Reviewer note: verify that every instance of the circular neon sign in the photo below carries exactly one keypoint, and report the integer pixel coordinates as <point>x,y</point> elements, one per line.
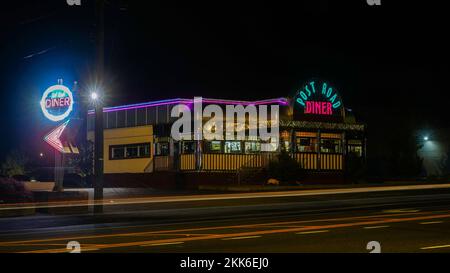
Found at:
<point>318,98</point>
<point>57,102</point>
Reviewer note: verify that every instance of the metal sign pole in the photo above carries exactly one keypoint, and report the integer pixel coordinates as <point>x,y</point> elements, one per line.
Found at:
<point>59,171</point>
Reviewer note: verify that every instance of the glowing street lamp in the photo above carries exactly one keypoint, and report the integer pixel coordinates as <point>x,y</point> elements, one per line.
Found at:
<point>94,96</point>
<point>425,138</point>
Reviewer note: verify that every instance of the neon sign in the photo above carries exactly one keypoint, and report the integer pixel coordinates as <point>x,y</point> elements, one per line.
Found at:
<point>57,102</point>
<point>318,100</point>
<point>52,138</point>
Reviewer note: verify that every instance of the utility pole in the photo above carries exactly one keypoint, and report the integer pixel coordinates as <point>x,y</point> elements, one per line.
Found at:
<point>98,148</point>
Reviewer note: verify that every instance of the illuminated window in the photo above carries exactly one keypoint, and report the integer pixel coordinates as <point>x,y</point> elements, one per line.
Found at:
<point>233,147</point>
<point>330,145</point>
<point>213,146</point>
<point>144,150</point>
<point>285,135</point>
<point>162,149</point>
<point>252,147</point>
<point>188,147</point>
<point>132,151</point>
<point>329,135</point>
<point>354,147</point>
<point>306,134</point>
<point>129,151</point>
<point>354,142</point>
<point>285,146</point>
<point>307,144</point>
<point>117,152</point>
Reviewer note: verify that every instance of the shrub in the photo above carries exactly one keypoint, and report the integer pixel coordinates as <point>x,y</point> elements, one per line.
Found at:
<point>285,169</point>
<point>12,191</point>
<point>16,163</point>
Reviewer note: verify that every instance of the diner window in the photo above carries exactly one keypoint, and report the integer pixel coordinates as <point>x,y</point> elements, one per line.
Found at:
<point>129,151</point>
<point>330,135</point>
<point>252,147</point>
<point>188,147</point>
<point>214,146</point>
<point>233,147</point>
<point>285,146</point>
<point>306,145</point>
<point>271,145</point>
<point>285,135</point>
<point>355,150</point>
<point>162,149</point>
<point>354,147</point>
<point>144,150</point>
<point>118,152</point>
<point>132,151</point>
<point>330,145</point>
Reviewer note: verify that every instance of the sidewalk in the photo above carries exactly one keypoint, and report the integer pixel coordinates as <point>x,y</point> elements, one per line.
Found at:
<point>272,188</point>
<point>113,193</point>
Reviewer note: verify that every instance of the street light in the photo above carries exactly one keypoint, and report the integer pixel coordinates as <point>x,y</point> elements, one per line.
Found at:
<point>94,96</point>
<point>425,138</point>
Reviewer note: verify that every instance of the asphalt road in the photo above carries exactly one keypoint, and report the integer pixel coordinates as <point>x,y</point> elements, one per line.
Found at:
<point>400,221</point>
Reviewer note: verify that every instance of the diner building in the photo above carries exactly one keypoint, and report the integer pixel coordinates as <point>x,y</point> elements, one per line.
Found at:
<point>314,128</point>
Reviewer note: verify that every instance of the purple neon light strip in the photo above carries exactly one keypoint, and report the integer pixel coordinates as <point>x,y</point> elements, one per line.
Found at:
<point>259,102</point>
<point>144,105</point>
<point>281,101</point>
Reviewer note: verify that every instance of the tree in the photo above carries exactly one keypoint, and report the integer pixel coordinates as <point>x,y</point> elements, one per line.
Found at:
<point>82,163</point>
<point>15,164</point>
<point>403,145</point>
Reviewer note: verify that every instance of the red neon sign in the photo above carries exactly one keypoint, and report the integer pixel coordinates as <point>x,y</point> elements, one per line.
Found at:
<point>52,138</point>
<point>319,108</point>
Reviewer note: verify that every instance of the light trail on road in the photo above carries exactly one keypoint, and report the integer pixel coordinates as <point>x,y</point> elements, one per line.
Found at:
<point>266,230</point>
<point>211,197</point>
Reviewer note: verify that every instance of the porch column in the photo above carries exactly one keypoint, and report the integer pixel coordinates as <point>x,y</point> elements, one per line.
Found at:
<point>198,155</point>
<point>344,149</point>
<point>319,160</point>
<point>292,144</point>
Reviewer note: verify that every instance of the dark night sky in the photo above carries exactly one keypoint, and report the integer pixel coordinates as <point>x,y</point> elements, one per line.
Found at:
<point>386,61</point>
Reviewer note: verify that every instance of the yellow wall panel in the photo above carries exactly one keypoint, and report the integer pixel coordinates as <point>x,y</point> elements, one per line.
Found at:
<point>122,136</point>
